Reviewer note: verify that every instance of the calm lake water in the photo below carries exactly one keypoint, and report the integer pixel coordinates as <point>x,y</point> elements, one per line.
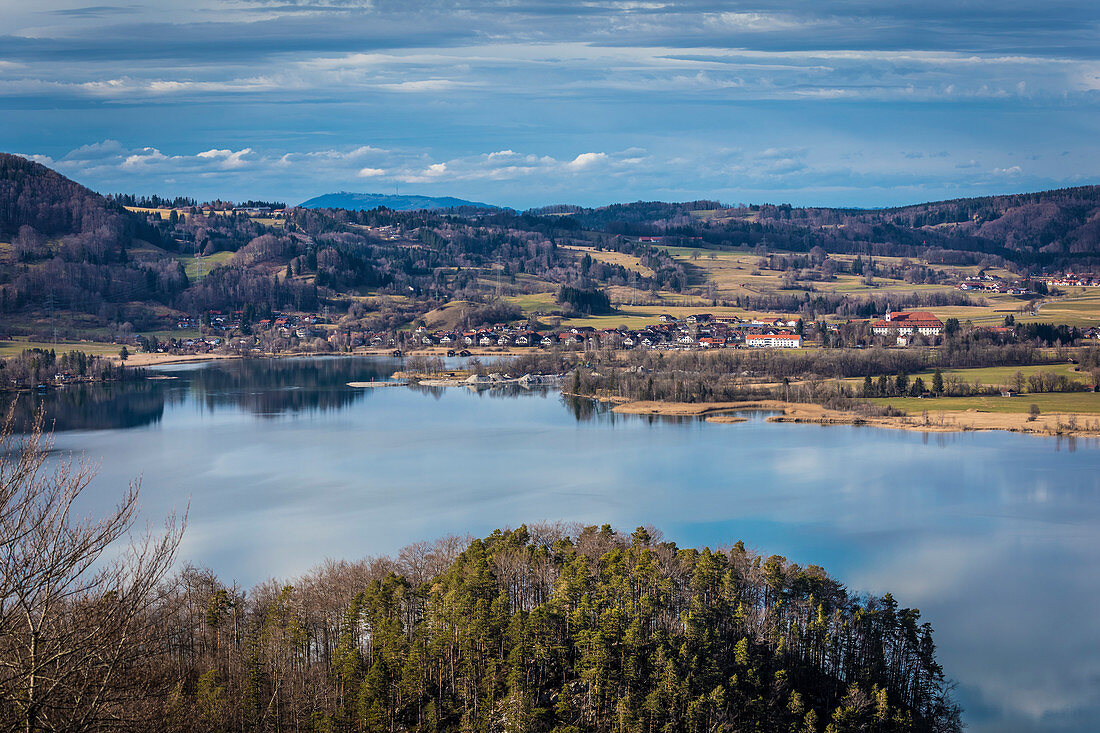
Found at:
<point>994,536</point>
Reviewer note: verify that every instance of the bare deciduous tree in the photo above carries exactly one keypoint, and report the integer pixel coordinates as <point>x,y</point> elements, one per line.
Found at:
<point>78,613</point>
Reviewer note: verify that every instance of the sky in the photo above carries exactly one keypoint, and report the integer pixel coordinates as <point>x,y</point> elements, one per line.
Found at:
<point>526,103</point>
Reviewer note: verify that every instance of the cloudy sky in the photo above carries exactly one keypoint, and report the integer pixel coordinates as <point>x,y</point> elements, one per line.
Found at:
<point>531,102</point>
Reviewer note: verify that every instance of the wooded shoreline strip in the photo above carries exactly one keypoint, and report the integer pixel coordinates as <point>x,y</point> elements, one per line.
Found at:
<point>937,421</point>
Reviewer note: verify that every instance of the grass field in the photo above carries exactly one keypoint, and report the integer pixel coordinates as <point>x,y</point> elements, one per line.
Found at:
<point>635,316</point>
<point>1079,307</point>
<point>14,348</point>
<point>997,376</point>
<point>270,221</point>
<point>535,302</point>
<point>1002,376</point>
<point>1078,402</point>
<point>196,270</point>
<point>731,273</point>
<point>162,213</point>
<point>611,258</point>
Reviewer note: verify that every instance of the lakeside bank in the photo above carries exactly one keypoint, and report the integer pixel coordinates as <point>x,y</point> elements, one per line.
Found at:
<point>930,421</point>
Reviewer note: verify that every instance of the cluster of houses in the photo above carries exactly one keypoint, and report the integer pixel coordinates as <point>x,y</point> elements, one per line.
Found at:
<point>287,325</point>
<point>303,327</point>
<point>1072,280</point>
<point>994,284</point>
<point>701,330</point>
<point>991,284</point>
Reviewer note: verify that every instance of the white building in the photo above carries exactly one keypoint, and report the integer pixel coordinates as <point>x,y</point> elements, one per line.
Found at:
<point>774,341</point>
<point>907,324</point>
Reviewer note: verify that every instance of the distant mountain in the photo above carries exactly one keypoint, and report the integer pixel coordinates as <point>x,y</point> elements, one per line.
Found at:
<point>395,202</point>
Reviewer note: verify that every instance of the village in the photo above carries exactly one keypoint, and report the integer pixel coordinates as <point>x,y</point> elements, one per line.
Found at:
<point>316,333</point>
<point>287,332</point>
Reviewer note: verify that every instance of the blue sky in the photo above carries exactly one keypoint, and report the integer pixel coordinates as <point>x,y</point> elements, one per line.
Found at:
<point>531,102</point>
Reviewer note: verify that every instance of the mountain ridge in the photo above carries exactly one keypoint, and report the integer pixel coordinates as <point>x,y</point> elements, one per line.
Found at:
<point>352,201</point>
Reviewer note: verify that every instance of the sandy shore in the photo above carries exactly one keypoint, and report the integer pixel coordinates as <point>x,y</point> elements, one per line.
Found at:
<point>141,359</point>
<point>936,421</point>
<point>144,360</point>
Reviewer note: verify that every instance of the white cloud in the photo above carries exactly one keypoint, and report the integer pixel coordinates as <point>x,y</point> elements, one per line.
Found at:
<point>753,21</point>
<point>227,158</point>
<point>587,160</point>
<point>145,156</point>
<point>371,172</point>
<point>422,85</point>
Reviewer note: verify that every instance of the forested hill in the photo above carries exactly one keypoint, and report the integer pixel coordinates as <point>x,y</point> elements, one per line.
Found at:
<point>396,202</point>
<point>1059,228</point>
<point>34,197</point>
<point>542,629</point>
<point>69,248</point>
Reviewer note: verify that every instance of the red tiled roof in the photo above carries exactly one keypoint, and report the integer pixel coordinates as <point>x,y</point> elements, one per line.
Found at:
<point>914,319</point>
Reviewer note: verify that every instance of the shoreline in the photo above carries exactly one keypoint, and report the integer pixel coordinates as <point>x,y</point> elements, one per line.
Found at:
<point>141,359</point>
<point>940,421</point>
<point>1049,424</point>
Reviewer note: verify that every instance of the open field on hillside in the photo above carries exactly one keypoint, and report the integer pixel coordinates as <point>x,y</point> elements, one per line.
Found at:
<point>635,316</point>
<point>643,315</point>
<point>162,213</point>
<point>197,270</point>
<point>271,221</point>
<point>732,274</point>
<point>493,282</point>
<point>535,302</point>
<point>611,258</point>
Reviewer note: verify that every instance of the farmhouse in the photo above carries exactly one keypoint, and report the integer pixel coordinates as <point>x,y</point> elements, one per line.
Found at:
<point>908,323</point>
<point>774,340</point>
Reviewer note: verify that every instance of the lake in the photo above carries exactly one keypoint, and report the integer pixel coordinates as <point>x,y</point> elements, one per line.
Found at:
<point>993,536</point>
